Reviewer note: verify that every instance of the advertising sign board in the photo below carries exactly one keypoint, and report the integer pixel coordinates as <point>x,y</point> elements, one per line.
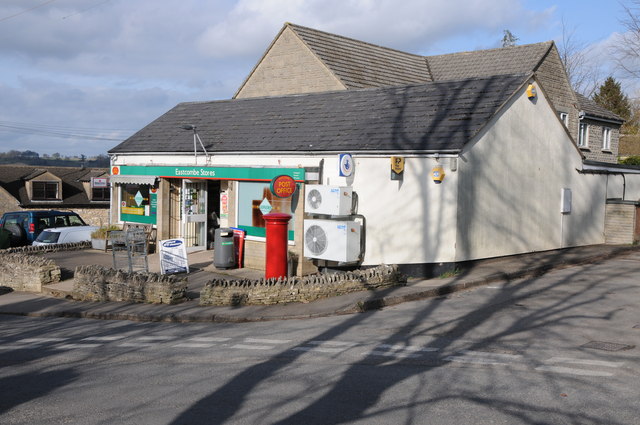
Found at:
<point>173,256</point>
<point>283,186</point>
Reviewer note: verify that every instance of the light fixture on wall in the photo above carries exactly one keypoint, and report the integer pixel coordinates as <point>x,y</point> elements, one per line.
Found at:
<point>531,91</point>
<point>196,137</point>
<point>437,174</point>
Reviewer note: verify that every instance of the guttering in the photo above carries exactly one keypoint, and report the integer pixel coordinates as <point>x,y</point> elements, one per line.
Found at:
<point>451,153</point>
<point>583,114</point>
<point>603,168</point>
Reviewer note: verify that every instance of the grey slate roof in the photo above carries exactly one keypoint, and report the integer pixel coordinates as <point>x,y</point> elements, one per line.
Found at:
<point>593,110</point>
<point>359,65</point>
<point>13,177</point>
<point>438,116</point>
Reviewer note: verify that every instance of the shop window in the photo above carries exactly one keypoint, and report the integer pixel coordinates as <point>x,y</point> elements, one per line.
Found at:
<point>138,203</point>
<point>256,199</point>
<point>45,191</point>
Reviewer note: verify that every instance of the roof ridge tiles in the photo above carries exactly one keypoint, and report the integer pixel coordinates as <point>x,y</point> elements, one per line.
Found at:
<point>313,30</point>
<point>495,49</point>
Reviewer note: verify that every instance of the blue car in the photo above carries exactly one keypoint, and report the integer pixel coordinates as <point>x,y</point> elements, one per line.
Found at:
<point>25,226</point>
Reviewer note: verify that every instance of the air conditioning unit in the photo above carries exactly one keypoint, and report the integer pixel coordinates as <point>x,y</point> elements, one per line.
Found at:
<point>328,200</point>
<point>333,240</point>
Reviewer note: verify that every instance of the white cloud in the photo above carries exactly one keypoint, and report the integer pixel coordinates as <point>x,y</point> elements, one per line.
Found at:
<point>413,25</point>
<point>121,63</point>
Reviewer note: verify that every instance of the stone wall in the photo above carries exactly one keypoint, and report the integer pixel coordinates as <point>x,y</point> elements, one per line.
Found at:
<point>7,202</point>
<point>36,249</point>
<point>97,283</point>
<point>593,150</point>
<point>297,289</point>
<point>94,216</point>
<point>555,83</point>
<point>289,67</point>
<point>23,272</point>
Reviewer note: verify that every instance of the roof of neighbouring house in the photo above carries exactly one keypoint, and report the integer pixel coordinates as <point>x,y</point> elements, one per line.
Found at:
<point>360,64</point>
<point>13,178</point>
<point>480,63</point>
<point>593,110</point>
<point>431,117</point>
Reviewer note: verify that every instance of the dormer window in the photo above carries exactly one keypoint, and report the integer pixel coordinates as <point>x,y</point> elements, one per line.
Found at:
<point>45,191</point>
<point>100,194</point>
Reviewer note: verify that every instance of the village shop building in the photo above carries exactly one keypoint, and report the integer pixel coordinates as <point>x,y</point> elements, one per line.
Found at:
<point>503,127</point>
<point>512,173</point>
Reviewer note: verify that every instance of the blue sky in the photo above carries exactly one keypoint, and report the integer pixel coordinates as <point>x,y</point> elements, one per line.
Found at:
<point>79,76</point>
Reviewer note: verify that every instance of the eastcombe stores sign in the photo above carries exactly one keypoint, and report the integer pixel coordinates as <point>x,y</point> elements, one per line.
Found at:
<point>218,173</point>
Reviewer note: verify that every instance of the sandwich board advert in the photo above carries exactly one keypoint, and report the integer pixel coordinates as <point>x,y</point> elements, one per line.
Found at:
<point>173,256</point>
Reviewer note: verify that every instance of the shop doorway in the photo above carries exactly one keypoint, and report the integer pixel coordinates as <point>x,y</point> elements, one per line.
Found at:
<point>213,210</point>
<point>194,214</point>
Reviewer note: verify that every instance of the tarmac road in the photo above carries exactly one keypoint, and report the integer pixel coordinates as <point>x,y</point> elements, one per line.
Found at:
<point>560,348</point>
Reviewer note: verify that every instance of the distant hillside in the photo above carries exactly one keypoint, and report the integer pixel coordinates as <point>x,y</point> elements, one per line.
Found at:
<point>55,160</point>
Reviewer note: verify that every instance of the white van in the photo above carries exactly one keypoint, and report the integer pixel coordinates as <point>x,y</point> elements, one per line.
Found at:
<point>58,235</point>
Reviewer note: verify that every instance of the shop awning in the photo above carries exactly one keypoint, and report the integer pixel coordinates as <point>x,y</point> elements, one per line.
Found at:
<point>150,180</point>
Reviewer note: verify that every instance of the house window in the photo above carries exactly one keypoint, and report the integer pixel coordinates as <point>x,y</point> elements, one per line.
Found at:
<point>45,191</point>
<point>256,199</point>
<point>606,139</point>
<point>564,117</point>
<point>583,135</point>
<point>100,194</point>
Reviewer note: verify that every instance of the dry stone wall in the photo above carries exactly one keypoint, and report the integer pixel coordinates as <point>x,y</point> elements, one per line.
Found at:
<point>297,289</point>
<point>27,273</point>
<point>97,283</point>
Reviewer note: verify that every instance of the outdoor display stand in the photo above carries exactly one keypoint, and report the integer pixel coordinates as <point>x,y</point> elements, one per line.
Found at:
<point>129,250</point>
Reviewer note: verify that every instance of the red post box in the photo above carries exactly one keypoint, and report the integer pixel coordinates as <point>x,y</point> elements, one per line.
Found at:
<point>277,244</point>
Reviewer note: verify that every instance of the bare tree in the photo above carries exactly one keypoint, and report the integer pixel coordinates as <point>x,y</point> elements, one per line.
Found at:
<point>583,74</point>
<point>627,50</point>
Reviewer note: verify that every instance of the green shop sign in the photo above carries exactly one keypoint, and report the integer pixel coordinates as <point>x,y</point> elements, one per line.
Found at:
<point>218,173</point>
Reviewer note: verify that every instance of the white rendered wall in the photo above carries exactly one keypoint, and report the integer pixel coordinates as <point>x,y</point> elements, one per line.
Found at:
<point>411,221</point>
<point>511,181</point>
<point>408,222</point>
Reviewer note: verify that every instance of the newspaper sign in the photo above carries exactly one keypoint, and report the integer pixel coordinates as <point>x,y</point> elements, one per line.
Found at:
<point>173,256</point>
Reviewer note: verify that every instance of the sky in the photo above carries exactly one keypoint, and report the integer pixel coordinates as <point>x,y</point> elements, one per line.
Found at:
<point>77,77</point>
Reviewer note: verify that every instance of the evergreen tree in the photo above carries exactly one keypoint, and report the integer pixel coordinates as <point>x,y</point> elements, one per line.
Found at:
<point>611,97</point>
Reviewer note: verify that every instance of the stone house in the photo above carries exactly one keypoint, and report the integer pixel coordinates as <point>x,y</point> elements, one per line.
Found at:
<point>303,60</point>
<point>57,188</point>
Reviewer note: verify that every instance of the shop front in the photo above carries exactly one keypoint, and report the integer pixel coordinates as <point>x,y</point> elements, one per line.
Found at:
<point>191,202</point>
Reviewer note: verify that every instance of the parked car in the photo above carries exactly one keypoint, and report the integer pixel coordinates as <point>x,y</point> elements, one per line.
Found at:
<point>25,226</point>
<point>58,235</point>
